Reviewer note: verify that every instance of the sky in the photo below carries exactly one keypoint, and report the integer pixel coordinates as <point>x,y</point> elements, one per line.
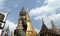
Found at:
<point>38,9</point>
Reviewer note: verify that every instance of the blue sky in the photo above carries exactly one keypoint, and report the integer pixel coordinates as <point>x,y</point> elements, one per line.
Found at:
<point>15,5</point>
<point>48,9</point>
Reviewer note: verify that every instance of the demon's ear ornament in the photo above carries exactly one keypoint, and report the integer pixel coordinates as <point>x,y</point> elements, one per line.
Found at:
<point>2,16</point>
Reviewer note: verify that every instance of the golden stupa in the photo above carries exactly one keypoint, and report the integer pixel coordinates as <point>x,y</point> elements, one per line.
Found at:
<point>30,31</point>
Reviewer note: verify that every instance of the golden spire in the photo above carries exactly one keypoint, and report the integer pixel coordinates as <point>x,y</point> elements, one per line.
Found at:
<point>12,33</point>
<point>27,15</point>
<point>29,30</point>
<point>29,23</point>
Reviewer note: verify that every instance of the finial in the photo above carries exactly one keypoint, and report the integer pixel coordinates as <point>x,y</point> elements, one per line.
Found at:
<point>53,25</point>
<point>27,15</point>
<point>22,8</point>
<point>22,12</point>
<point>27,9</point>
<point>42,21</point>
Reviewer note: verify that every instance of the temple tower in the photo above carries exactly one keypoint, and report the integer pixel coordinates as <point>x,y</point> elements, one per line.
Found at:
<point>12,33</point>
<point>44,27</point>
<point>21,27</point>
<point>54,28</point>
<point>29,31</point>
<point>6,32</point>
<point>53,25</point>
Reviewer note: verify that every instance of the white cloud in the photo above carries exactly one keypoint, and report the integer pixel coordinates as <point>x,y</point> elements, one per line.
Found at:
<point>47,9</point>
<point>48,12</point>
<point>47,19</point>
<point>38,30</point>
<point>11,25</point>
<point>8,10</point>
<point>2,4</point>
<point>16,4</point>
